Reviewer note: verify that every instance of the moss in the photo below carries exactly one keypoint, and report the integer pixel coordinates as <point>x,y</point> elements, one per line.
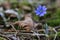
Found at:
<point>58,33</point>
<point>55,19</point>
<point>54,22</point>
<point>1,38</point>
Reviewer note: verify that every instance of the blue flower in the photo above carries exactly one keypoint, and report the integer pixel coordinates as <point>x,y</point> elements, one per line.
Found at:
<point>41,10</point>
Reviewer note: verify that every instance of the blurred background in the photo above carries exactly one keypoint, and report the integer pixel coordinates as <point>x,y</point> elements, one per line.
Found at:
<point>52,18</point>
<point>53,11</point>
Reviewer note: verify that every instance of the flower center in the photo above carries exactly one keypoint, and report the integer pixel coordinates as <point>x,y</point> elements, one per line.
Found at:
<point>41,10</point>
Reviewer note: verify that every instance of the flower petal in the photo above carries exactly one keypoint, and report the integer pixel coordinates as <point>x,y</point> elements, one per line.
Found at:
<point>40,7</point>
<point>44,12</point>
<point>44,8</point>
<point>41,15</point>
<point>37,13</point>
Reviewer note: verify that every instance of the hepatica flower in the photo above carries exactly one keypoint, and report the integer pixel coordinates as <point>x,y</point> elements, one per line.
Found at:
<point>41,10</point>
